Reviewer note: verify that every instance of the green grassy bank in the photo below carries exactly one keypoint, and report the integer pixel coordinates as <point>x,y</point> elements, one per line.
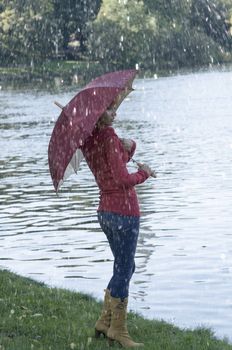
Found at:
<point>53,74</point>
<point>58,73</point>
<point>34,316</point>
<point>50,73</point>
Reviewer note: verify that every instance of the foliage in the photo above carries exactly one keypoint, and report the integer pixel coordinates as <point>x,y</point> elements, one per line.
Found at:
<point>161,34</point>
<point>156,35</point>
<point>170,9</point>
<point>34,30</point>
<point>123,34</point>
<point>26,30</point>
<point>179,49</point>
<point>213,18</point>
<point>72,18</point>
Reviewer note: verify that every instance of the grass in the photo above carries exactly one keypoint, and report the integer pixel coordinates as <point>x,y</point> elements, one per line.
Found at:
<point>34,316</point>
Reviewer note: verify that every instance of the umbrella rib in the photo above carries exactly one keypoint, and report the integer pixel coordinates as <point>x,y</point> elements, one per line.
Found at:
<point>59,105</point>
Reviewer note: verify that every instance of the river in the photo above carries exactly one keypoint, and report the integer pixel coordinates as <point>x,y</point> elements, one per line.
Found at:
<point>183,129</point>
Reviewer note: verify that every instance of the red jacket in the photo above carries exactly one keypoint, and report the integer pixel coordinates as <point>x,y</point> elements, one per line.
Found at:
<point>107,160</point>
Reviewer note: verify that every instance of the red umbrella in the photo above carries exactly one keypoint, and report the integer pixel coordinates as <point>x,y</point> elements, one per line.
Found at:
<point>78,118</point>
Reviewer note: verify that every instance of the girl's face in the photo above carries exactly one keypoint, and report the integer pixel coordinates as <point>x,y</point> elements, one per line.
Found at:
<point>108,117</point>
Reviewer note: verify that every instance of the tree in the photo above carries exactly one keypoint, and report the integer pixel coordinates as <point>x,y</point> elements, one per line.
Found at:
<point>26,30</point>
<point>192,32</point>
<point>156,34</point>
<point>122,35</point>
<point>72,18</point>
<point>38,29</point>
<point>213,18</point>
<point>170,9</point>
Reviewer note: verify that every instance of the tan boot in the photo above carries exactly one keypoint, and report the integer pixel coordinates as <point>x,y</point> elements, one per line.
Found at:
<point>103,323</point>
<point>118,328</point>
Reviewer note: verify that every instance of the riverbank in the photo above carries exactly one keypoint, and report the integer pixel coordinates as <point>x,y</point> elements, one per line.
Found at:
<point>34,316</point>
<point>57,74</point>
<point>52,73</point>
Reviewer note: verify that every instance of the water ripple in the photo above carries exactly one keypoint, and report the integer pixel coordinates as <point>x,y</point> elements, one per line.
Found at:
<point>182,126</point>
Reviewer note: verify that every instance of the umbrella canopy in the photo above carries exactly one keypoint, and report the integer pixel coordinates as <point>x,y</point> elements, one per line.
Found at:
<point>78,119</point>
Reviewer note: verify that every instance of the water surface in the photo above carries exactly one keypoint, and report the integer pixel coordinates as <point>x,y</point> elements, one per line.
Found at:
<point>183,129</point>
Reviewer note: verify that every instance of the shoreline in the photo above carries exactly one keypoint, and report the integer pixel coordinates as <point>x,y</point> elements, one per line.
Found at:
<point>36,316</point>
<point>63,74</point>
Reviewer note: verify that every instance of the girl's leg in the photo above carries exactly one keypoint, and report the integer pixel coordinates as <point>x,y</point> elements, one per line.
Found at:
<point>122,234</point>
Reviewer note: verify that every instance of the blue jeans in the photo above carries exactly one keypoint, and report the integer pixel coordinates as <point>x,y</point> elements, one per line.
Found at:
<point>122,234</point>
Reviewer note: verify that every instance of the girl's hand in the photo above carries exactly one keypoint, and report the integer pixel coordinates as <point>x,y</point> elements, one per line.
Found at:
<point>146,168</point>
<point>127,144</point>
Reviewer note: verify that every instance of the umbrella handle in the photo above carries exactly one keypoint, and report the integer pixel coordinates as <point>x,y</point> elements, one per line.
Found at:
<point>153,174</point>
<point>58,104</point>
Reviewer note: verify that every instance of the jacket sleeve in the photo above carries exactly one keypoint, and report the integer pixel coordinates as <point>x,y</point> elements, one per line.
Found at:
<point>118,168</point>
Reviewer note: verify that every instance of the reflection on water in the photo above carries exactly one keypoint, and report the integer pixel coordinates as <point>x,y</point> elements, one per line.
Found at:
<point>183,128</point>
